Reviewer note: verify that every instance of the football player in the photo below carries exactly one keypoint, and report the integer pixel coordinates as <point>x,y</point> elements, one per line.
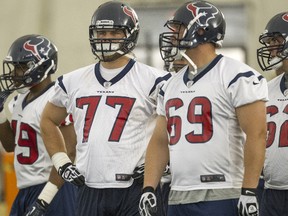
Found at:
<point>27,68</point>
<point>113,104</point>
<point>273,56</point>
<point>211,121</point>
<point>172,65</point>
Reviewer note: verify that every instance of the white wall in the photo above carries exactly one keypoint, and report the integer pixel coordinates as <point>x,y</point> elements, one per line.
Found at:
<point>66,23</point>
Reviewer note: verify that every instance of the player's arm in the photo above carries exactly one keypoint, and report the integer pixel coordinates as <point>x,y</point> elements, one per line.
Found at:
<point>156,159</point>
<point>252,119</point>
<point>157,154</point>
<point>54,141</point>
<point>7,136</point>
<point>55,180</point>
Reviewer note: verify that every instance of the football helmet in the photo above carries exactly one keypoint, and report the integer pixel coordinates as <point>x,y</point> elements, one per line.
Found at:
<point>275,41</point>
<point>34,56</point>
<point>185,25</point>
<point>113,16</point>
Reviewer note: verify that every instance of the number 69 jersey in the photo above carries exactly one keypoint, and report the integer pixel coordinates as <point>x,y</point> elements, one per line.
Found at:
<point>276,159</point>
<point>113,120</point>
<point>206,141</point>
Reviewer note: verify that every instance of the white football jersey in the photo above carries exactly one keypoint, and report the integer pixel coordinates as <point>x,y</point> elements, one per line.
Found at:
<point>31,160</point>
<point>206,141</point>
<point>276,160</point>
<point>113,119</point>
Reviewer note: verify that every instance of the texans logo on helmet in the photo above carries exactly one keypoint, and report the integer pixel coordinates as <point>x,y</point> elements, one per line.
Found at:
<point>130,13</point>
<point>34,44</point>
<point>285,17</point>
<point>197,8</point>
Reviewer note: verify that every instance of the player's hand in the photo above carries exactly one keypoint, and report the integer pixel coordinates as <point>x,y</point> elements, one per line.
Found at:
<point>3,97</point>
<point>138,173</point>
<point>37,209</point>
<point>70,173</point>
<point>248,204</point>
<point>148,202</point>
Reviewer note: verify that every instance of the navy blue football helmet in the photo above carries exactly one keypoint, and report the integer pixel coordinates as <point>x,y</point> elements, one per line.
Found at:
<point>185,25</point>
<point>35,55</point>
<point>113,15</point>
<point>277,30</point>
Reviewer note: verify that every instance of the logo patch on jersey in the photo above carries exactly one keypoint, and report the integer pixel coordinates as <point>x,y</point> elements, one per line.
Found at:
<point>212,178</point>
<point>36,46</point>
<point>196,10</point>
<point>285,17</point>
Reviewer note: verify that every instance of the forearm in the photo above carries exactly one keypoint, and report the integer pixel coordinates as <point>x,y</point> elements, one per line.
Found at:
<point>155,164</point>
<point>157,154</point>
<point>7,137</point>
<point>254,155</point>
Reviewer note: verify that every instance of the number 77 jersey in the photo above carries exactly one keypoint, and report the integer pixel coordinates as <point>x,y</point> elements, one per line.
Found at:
<point>206,141</point>
<point>113,119</point>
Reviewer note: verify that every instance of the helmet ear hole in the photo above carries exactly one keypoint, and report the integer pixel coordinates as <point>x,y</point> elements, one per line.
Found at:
<point>201,31</point>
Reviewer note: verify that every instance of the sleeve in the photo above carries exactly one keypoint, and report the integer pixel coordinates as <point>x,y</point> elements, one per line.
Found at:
<point>160,102</point>
<point>59,95</point>
<point>12,103</point>
<point>247,87</point>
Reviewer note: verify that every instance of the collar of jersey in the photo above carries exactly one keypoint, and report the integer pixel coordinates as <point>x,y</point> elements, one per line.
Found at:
<point>25,102</point>
<point>202,73</point>
<point>119,76</point>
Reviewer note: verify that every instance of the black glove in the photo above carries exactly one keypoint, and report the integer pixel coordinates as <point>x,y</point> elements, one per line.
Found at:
<point>71,174</point>
<point>37,209</point>
<point>148,202</point>
<point>248,204</point>
<point>138,173</point>
<point>3,97</point>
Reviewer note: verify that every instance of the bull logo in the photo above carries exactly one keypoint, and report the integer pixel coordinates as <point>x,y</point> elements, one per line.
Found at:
<point>285,17</point>
<point>130,13</point>
<point>37,47</point>
<point>208,11</point>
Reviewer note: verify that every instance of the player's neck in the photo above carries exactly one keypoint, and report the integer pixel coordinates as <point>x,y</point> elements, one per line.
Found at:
<point>36,90</point>
<point>202,54</point>
<point>118,63</point>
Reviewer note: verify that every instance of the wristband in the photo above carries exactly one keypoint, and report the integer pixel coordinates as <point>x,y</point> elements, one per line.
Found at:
<point>48,192</point>
<point>249,191</point>
<point>59,159</point>
<point>148,189</point>
<point>3,117</point>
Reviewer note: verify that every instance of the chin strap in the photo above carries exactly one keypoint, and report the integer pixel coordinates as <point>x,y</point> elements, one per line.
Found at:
<point>191,63</point>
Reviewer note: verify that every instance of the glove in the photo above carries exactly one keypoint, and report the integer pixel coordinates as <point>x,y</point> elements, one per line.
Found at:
<point>71,174</point>
<point>248,204</point>
<point>167,171</point>
<point>148,202</point>
<point>3,97</point>
<point>138,173</point>
<point>37,209</point>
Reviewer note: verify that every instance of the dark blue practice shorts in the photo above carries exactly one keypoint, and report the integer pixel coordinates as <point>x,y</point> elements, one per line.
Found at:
<point>274,203</point>
<point>210,208</point>
<point>63,204</point>
<point>165,190</point>
<point>112,201</point>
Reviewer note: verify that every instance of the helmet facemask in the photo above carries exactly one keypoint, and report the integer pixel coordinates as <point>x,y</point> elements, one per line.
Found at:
<point>270,56</point>
<point>110,49</point>
<point>28,74</point>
